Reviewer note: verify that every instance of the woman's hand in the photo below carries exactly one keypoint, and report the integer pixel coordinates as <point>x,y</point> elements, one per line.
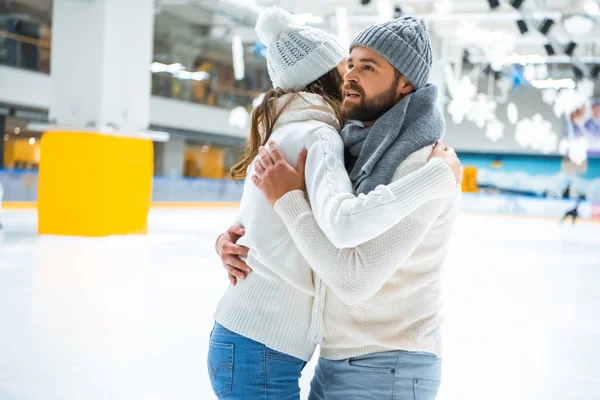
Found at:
<point>274,176</point>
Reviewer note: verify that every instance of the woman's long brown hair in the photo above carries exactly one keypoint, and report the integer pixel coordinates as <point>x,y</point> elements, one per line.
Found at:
<point>328,86</point>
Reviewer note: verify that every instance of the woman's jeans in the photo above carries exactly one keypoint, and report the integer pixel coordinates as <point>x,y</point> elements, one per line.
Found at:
<point>241,368</point>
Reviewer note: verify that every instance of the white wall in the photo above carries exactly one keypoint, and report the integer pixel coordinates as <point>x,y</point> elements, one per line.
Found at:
<point>194,117</point>
<point>468,137</point>
<point>24,88</point>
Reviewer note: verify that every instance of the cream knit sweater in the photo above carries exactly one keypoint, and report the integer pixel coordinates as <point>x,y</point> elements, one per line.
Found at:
<point>276,304</point>
<point>385,293</point>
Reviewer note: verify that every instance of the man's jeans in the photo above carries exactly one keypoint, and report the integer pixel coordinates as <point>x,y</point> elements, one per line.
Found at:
<point>241,368</point>
<point>392,375</point>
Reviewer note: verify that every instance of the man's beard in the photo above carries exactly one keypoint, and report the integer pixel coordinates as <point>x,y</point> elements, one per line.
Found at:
<point>369,109</point>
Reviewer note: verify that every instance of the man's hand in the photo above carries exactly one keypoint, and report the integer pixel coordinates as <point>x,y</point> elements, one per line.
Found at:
<point>274,176</point>
<point>448,155</point>
<point>230,254</point>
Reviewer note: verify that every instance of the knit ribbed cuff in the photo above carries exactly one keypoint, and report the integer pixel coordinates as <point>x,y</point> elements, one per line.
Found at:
<point>292,205</point>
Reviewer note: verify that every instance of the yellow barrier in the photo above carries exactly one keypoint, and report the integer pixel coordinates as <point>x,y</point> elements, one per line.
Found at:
<point>113,187</point>
<point>469,184</point>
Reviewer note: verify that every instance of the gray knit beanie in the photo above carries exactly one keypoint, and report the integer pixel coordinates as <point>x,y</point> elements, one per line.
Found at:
<point>405,43</point>
<point>296,55</point>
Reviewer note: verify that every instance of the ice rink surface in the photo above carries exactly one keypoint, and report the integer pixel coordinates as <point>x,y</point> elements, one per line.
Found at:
<point>128,318</point>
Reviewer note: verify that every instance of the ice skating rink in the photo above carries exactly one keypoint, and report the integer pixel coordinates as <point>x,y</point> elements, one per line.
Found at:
<point>128,318</point>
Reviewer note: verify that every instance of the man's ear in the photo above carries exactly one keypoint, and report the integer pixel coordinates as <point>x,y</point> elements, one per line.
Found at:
<point>404,86</point>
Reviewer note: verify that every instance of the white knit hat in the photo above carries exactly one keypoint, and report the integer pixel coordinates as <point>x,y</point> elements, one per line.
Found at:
<point>296,55</point>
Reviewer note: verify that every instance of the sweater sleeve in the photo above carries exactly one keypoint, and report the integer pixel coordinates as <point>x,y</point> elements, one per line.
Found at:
<point>355,274</point>
<point>348,220</point>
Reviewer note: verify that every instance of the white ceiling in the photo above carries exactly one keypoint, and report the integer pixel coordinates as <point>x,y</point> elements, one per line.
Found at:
<point>444,18</point>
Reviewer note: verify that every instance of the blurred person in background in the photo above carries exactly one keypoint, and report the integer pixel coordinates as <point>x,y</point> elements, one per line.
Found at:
<point>573,213</point>
<point>406,223</point>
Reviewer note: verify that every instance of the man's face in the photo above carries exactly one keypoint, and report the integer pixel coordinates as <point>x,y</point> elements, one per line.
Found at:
<point>596,111</point>
<point>371,86</point>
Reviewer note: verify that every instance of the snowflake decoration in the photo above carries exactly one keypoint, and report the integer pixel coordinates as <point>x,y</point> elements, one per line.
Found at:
<point>494,130</point>
<point>512,113</point>
<point>578,151</point>
<point>458,109</point>
<point>238,117</point>
<point>482,111</point>
<point>549,95</point>
<point>461,92</point>
<point>536,133</point>
<point>569,100</point>
<point>563,147</point>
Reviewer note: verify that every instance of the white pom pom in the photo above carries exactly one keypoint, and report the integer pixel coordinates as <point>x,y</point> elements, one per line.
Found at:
<point>271,22</point>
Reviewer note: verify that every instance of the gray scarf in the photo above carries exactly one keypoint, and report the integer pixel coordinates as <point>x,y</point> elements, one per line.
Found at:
<point>374,153</point>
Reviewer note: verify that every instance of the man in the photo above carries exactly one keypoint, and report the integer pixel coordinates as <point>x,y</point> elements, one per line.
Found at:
<point>382,312</point>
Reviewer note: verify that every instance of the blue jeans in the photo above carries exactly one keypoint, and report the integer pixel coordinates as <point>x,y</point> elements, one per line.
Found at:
<point>241,368</point>
<point>391,375</point>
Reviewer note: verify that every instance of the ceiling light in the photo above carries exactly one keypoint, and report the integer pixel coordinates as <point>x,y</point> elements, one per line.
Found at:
<point>17,130</point>
<point>32,141</point>
<point>526,59</point>
<point>494,4</point>
<point>6,137</point>
<point>554,84</point>
<point>237,49</point>
<point>549,49</point>
<point>546,25</point>
<point>570,48</point>
<point>522,26</point>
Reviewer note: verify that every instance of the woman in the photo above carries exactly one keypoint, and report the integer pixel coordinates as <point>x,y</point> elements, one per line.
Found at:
<point>267,326</point>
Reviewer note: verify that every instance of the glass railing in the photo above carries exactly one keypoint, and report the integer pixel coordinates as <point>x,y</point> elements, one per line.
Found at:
<point>17,50</point>
<point>30,53</point>
<point>202,92</point>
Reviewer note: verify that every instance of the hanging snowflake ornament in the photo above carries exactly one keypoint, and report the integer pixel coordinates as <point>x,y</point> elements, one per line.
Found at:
<point>578,151</point>
<point>494,130</point>
<point>569,100</point>
<point>512,113</point>
<point>536,133</point>
<point>482,111</point>
<point>462,92</point>
<point>238,117</point>
<point>549,95</point>
<point>458,109</point>
<point>563,147</point>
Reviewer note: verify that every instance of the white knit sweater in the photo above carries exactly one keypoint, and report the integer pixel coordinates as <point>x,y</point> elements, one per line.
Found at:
<point>274,305</point>
<point>386,292</point>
